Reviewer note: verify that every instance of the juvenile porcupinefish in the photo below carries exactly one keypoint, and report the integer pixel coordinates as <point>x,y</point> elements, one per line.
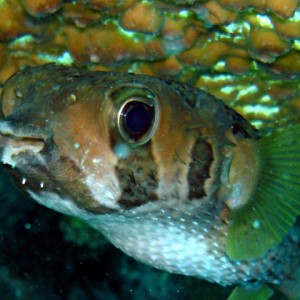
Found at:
<point>168,173</point>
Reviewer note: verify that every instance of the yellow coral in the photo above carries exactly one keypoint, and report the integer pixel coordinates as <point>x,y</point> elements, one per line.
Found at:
<point>213,44</point>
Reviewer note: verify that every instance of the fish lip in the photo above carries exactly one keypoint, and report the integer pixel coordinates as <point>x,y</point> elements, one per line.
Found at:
<point>13,129</point>
<point>22,145</point>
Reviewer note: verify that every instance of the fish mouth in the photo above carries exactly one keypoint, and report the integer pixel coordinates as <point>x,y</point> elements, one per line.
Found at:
<point>21,145</point>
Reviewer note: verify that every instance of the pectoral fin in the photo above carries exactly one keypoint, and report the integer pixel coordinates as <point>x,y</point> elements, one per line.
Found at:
<point>240,293</point>
<point>274,203</point>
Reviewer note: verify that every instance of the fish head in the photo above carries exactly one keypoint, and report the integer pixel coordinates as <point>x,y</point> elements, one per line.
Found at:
<point>50,138</point>
<point>105,141</point>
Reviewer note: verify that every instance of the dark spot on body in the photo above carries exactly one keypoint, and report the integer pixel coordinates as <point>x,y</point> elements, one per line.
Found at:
<point>137,177</point>
<point>202,158</point>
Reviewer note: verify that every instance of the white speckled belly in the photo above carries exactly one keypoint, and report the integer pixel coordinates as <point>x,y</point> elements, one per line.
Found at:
<point>165,246</point>
<point>172,243</point>
<point>172,237</point>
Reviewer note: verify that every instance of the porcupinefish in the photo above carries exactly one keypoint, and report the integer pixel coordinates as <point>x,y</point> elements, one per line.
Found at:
<point>168,173</point>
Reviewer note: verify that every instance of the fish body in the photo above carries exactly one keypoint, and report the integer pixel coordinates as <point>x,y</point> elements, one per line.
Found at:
<point>168,173</point>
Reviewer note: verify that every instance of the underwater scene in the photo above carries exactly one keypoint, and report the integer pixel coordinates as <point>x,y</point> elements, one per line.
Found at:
<point>151,75</point>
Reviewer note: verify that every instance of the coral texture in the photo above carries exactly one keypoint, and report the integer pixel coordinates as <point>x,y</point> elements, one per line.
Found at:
<point>246,52</point>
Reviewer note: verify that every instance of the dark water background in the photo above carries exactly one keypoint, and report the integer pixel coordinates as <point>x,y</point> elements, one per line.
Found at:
<point>45,255</point>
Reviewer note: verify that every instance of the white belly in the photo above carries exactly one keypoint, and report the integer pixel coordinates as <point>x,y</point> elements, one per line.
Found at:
<point>174,242</point>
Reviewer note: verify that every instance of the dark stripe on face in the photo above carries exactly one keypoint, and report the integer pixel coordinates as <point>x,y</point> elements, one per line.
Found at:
<point>201,160</point>
<point>137,175</point>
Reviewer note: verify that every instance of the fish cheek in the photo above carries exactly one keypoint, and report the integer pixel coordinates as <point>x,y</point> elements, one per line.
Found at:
<point>171,147</point>
<point>78,174</point>
<point>60,177</point>
<point>85,156</point>
<point>66,179</point>
<point>34,178</point>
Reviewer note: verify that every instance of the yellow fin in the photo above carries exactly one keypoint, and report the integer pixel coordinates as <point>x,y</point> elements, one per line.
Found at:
<point>274,205</point>
<point>262,293</point>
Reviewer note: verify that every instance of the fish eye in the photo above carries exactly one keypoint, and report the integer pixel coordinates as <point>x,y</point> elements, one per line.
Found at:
<point>137,114</point>
<point>136,120</point>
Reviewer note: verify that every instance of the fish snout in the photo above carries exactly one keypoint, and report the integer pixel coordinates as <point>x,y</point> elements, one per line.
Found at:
<point>23,144</point>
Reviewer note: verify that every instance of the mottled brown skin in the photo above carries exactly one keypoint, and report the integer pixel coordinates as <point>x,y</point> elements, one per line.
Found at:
<point>179,133</point>
<point>180,177</point>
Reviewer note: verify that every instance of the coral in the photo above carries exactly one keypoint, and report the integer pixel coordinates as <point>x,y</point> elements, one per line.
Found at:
<point>41,8</point>
<point>142,17</point>
<point>215,44</point>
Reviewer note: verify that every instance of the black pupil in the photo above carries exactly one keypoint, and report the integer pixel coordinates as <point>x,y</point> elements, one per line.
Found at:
<point>137,118</point>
